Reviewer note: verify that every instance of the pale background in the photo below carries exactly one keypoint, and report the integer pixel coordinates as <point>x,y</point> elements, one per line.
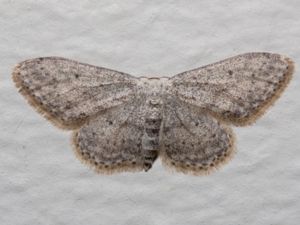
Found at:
<point>41,180</point>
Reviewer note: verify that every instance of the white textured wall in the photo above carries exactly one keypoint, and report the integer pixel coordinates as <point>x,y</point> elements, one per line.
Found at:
<point>42,182</point>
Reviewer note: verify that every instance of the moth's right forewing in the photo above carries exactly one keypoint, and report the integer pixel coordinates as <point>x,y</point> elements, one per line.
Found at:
<point>237,90</point>
<point>68,92</point>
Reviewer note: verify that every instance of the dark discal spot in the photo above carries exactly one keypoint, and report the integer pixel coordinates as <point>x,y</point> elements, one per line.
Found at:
<point>138,145</point>
<point>230,72</point>
<point>68,106</point>
<point>82,115</point>
<point>270,67</point>
<point>105,166</point>
<point>76,75</point>
<point>133,163</point>
<point>173,163</point>
<point>196,123</point>
<point>110,122</point>
<point>183,142</point>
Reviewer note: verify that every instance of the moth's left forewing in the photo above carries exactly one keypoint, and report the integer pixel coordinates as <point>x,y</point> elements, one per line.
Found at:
<point>237,90</point>
<point>67,92</point>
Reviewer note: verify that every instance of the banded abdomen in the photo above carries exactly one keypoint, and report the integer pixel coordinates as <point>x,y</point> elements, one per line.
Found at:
<point>151,137</point>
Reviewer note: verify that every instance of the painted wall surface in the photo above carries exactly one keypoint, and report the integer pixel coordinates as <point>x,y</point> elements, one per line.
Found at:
<point>41,180</point>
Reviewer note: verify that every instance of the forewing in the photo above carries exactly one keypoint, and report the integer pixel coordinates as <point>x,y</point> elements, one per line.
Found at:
<point>238,89</point>
<point>68,92</point>
<point>111,142</point>
<point>193,141</point>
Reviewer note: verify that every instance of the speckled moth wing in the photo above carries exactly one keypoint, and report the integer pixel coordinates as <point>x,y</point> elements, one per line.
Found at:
<point>68,92</point>
<point>194,141</point>
<point>238,89</point>
<point>112,141</point>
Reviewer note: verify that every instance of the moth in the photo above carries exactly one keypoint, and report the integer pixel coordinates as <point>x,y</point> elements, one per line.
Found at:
<point>124,123</point>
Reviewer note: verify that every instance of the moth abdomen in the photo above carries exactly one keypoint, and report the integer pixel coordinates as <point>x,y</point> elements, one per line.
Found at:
<point>151,138</point>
